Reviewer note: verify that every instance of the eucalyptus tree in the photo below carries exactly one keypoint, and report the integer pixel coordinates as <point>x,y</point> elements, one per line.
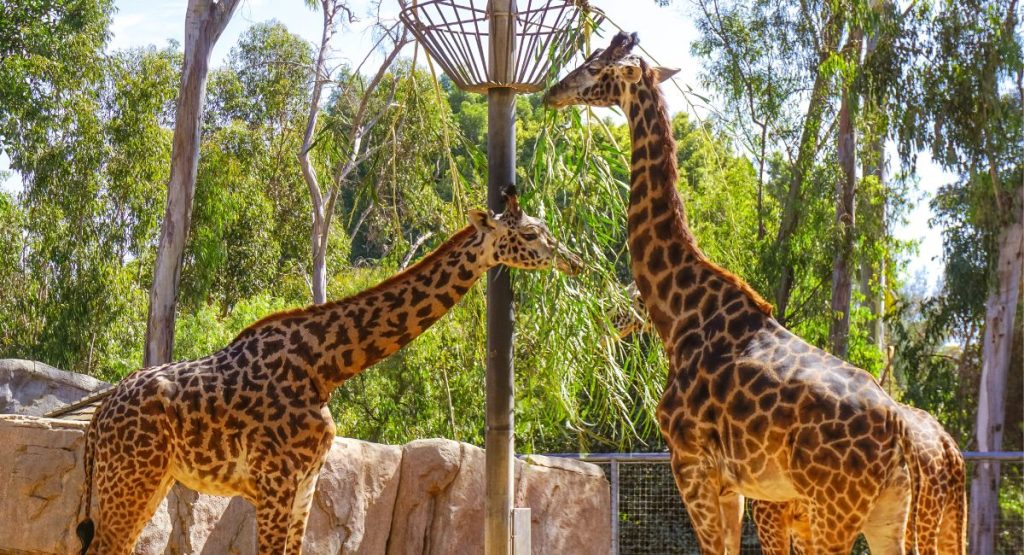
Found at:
<point>250,207</point>
<point>776,88</point>
<point>965,103</point>
<point>348,137</point>
<point>204,22</point>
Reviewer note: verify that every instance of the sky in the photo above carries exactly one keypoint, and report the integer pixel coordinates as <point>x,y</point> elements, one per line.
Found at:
<point>665,35</point>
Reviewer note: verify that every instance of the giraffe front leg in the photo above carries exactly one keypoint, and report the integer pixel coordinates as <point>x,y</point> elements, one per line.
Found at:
<point>300,511</point>
<point>830,535</point>
<point>773,531</point>
<point>274,513</point>
<point>700,490</point>
<point>732,519</point>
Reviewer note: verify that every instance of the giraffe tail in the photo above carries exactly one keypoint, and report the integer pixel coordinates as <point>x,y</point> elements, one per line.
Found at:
<point>959,472</point>
<point>914,466</point>
<point>87,529</point>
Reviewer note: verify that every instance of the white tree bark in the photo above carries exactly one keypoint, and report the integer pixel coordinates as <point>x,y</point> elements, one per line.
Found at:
<point>1000,311</point>
<point>204,22</point>
<point>323,202</point>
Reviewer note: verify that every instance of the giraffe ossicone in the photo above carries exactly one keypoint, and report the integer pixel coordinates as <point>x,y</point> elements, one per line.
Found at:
<point>749,409</point>
<point>252,418</point>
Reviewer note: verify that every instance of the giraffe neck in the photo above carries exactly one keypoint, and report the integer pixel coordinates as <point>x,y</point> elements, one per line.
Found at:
<point>337,340</point>
<point>676,280</point>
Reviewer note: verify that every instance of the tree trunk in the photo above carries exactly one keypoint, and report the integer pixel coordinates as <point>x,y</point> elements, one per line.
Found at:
<point>204,22</point>
<point>791,209</point>
<point>874,159</point>
<point>846,216</point>
<point>807,150</point>
<point>318,233</point>
<point>1000,311</point>
<point>323,202</point>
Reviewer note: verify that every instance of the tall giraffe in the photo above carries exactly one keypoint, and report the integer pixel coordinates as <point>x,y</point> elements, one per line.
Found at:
<point>749,408</point>
<point>941,504</point>
<point>252,418</point>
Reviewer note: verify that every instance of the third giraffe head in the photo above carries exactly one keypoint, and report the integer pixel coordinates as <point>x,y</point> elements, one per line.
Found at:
<point>521,241</point>
<point>607,76</point>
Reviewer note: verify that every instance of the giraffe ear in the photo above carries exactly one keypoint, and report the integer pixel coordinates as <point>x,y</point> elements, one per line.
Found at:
<point>663,73</point>
<point>482,221</point>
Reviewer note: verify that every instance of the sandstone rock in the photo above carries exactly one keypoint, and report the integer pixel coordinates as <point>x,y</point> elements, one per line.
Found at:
<point>570,505</point>
<point>40,485</point>
<point>429,467</point>
<point>34,388</point>
<point>355,498</point>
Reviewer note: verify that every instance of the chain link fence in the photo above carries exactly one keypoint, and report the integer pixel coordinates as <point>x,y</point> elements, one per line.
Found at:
<point>651,520</point>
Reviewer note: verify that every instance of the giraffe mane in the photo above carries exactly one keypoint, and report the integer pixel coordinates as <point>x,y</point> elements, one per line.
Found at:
<point>449,245</point>
<point>671,173</point>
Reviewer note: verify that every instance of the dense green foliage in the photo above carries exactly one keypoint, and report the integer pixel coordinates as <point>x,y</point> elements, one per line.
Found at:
<point>88,134</point>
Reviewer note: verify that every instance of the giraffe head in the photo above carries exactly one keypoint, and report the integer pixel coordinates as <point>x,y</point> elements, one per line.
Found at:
<point>605,77</point>
<point>518,240</point>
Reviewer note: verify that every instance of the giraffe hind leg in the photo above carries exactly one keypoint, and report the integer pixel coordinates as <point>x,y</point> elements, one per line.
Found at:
<point>128,496</point>
<point>886,524</point>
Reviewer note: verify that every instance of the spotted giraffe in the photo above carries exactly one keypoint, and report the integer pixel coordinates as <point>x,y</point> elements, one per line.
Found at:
<point>749,408</point>
<point>941,505</point>
<point>252,418</point>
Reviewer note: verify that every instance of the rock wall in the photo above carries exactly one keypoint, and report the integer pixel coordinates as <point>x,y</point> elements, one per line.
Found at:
<point>29,387</point>
<point>426,497</point>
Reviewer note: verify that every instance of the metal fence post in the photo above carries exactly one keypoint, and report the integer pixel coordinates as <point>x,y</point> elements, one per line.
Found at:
<point>614,471</point>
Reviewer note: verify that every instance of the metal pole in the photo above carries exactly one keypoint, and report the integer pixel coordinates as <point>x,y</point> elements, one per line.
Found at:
<point>501,172</point>
<point>615,506</point>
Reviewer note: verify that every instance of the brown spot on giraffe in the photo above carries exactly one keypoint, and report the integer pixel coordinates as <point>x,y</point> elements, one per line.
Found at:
<point>719,328</point>
<point>252,418</point>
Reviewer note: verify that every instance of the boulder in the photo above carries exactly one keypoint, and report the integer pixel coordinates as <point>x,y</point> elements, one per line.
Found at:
<point>355,499</point>
<point>40,485</point>
<point>34,388</point>
<point>570,505</point>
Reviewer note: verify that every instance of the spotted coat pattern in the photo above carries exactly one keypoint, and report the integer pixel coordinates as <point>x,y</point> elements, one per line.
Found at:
<point>252,418</point>
<point>941,506</point>
<point>749,408</point>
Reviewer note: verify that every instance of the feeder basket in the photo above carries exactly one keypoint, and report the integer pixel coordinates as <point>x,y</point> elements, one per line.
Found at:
<point>545,34</point>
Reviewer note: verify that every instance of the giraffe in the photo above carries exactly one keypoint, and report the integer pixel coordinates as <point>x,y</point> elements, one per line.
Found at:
<point>634,318</point>
<point>942,501</point>
<point>749,409</point>
<point>941,506</point>
<point>252,418</point>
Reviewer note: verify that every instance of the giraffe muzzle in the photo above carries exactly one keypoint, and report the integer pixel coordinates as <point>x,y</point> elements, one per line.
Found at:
<point>567,262</point>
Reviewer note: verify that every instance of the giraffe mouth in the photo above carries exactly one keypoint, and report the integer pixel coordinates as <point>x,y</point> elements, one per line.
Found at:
<point>551,99</point>
<point>568,263</point>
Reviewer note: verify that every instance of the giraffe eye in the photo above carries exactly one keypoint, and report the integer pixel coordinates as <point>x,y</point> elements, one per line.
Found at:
<point>592,70</point>
<point>530,235</point>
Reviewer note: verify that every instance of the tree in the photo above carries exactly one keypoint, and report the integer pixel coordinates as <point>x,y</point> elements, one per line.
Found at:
<point>964,100</point>
<point>845,200</point>
<point>204,22</point>
<point>355,132</point>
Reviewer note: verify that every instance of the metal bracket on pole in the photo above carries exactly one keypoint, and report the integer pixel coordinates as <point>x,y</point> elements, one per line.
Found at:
<point>521,532</point>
